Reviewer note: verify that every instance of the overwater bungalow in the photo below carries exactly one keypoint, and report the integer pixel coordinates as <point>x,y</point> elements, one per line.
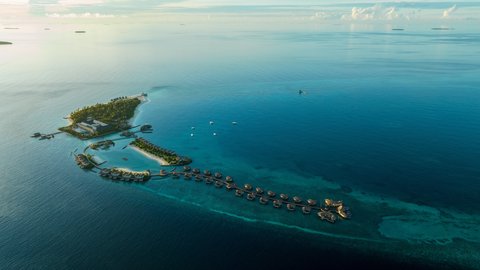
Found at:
<point>306,210</point>
<point>186,168</point>
<point>277,203</point>
<point>163,173</point>
<point>105,172</point>
<point>208,180</point>
<point>187,176</point>
<point>146,128</point>
<point>326,215</point>
<point>251,196</point>
<point>207,173</point>
<point>291,207</point>
<point>343,212</point>
<point>218,175</point>
<point>284,197</point>
<point>229,179</point>
<point>239,193</point>
<point>231,186</point>
<point>218,184</point>
<point>259,190</point>
<point>139,177</point>
<point>332,203</point>
<point>312,202</point>
<point>297,199</point>
<point>271,194</point>
<point>247,186</point>
<point>44,137</point>
<point>127,134</point>
<point>175,175</point>
<point>115,175</point>
<point>263,200</point>
<point>198,178</point>
<point>196,171</point>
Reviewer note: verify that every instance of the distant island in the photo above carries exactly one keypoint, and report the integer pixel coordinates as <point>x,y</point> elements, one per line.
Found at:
<point>80,32</point>
<point>5,43</point>
<point>103,118</point>
<point>441,28</point>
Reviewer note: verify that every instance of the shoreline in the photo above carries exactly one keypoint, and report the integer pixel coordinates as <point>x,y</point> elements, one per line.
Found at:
<point>143,100</point>
<point>127,170</point>
<point>160,160</point>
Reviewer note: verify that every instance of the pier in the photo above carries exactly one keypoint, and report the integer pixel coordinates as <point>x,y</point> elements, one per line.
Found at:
<point>329,210</point>
<point>41,136</point>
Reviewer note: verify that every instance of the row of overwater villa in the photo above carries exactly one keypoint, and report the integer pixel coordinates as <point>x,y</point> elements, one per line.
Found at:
<point>329,210</point>
<point>125,175</point>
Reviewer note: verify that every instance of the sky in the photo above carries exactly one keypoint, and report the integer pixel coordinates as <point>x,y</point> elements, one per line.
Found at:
<point>346,10</point>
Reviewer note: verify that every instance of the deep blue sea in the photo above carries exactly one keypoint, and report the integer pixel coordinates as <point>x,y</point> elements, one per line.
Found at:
<point>389,122</point>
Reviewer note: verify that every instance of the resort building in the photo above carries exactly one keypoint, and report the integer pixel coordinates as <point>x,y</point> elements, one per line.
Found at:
<point>93,126</point>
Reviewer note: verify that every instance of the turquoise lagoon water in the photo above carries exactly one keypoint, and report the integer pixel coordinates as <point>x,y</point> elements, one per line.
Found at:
<point>389,123</point>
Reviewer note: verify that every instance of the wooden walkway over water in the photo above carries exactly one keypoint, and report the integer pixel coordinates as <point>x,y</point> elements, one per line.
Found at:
<point>324,211</point>
<point>327,210</point>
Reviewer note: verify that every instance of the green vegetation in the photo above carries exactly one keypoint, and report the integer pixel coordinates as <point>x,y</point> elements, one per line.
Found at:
<point>169,156</point>
<point>5,43</point>
<point>115,113</point>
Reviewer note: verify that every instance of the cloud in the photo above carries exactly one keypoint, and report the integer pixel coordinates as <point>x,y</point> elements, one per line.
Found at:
<point>450,11</point>
<point>81,15</point>
<point>79,2</point>
<point>14,2</point>
<point>376,12</point>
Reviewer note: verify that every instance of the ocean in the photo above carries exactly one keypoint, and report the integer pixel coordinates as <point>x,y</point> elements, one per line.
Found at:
<point>388,122</point>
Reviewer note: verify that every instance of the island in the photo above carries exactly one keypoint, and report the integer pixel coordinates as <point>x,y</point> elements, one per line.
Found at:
<point>115,116</point>
<point>163,156</point>
<point>103,118</point>
<point>5,43</point>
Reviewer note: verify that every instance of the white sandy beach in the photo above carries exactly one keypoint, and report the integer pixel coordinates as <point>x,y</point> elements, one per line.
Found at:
<point>127,170</point>
<point>160,161</point>
<point>143,100</point>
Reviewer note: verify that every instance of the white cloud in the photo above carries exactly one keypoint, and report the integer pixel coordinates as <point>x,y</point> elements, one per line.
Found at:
<point>79,2</point>
<point>450,11</point>
<point>325,15</point>
<point>81,15</point>
<point>14,2</point>
<point>376,12</point>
